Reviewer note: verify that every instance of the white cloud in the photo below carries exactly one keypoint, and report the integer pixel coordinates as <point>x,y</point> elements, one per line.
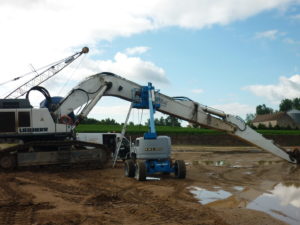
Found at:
<point>287,87</point>
<point>287,194</point>
<point>132,68</point>
<point>42,31</point>
<point>110,107</point>
<point>37,29</point>
<point>268,34</point>
<point>111,111</point>
<point>136,50</point>
<point>197,91</point>
<point>198,14</point>
<point>291,41</point>
<point>235,108</point>
<point>296,17</point>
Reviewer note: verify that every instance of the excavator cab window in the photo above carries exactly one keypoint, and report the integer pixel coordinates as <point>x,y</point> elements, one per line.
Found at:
<point>24,119</point>
<point>7,122</point>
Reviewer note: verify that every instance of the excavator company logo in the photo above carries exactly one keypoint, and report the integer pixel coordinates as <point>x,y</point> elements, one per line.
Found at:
<point>153,149</point>
<point>32,129</point>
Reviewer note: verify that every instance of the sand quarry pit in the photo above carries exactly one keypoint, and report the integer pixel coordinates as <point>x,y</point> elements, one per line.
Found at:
<point>224,185</point>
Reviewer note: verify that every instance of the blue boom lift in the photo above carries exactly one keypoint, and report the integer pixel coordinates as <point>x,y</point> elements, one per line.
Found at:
<point>151,153</point>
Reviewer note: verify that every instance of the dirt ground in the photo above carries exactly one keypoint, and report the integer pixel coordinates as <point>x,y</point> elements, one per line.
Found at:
<point>51,196</point>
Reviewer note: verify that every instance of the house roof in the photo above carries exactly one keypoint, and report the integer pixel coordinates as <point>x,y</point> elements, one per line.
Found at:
<point>295,115</point>
<point>269,117</point>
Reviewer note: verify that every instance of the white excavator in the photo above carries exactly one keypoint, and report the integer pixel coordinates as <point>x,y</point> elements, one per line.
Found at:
<point>41,136</point>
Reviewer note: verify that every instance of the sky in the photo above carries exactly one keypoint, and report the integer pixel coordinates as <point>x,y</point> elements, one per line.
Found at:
<point>228,54</point>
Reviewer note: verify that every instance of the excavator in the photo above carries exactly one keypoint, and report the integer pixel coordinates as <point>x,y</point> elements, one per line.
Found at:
<point>46,135</point>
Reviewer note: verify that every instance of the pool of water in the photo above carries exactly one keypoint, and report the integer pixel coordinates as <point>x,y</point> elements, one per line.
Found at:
<point>204,196</point>
<point>282,201</point>
<point>152,178</point>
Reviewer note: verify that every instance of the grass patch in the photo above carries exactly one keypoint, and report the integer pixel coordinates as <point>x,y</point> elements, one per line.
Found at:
<point>279,132</point>
<point>94,128</point>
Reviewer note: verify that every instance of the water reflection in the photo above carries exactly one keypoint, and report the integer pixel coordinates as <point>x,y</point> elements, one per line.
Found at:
<point>238,188</point>
<point>152,178</point>
<point>204,196</point>
<point>281,201</point>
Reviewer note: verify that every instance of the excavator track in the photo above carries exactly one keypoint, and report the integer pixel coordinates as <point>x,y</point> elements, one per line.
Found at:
<point>53,152</point>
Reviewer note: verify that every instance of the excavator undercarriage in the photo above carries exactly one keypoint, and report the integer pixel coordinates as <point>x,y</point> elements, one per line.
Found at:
<point>53,152</point>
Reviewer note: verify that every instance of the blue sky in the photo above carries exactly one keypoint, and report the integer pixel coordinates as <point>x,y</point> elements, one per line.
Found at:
<point>229,54</point>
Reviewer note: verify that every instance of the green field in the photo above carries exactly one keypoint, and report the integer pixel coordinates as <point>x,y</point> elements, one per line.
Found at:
<point>94,128</point>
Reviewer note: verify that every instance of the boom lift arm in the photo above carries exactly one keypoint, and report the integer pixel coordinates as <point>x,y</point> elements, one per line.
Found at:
<point>89,92</point>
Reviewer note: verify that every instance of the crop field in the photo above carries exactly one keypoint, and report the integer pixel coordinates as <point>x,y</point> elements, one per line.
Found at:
<point>93,128</point>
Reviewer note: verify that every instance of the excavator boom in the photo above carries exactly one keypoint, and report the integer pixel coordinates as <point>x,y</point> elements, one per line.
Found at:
<point>89,91</point>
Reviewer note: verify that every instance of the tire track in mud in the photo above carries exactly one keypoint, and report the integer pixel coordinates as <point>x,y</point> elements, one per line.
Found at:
<point>136,200</point>
<point>166,210</point>
<point>67,192</point>
<point>241,176</point>
<point>10,212</point>
<point>16,207</point>
<point>16,215</point>
<point>20,214</point>
<point>99,197</point>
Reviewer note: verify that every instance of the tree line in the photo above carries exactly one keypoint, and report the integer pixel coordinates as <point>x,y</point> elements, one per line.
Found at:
<point>284,106</point>
<point>168,121</point>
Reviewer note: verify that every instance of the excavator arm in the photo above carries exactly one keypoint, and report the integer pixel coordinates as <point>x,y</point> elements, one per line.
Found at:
<point>89,92</point>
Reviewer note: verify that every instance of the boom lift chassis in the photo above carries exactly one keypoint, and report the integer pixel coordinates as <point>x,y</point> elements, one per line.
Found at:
<point>150,154</point>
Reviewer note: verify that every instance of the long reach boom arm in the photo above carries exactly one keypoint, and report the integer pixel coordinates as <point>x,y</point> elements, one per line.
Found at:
<point>89,92</point>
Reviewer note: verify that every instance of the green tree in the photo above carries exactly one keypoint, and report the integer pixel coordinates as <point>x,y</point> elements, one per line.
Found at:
<point>249,118</point>
<point>173,121</point>
<point>162,121</point>
<point>90,121</point>
<point>296,103</point>
<point>263,109</point>
<point>108,121</point>
<point>286,105</point>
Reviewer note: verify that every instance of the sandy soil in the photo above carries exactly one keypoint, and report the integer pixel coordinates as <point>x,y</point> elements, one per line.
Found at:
<point>88,196</point>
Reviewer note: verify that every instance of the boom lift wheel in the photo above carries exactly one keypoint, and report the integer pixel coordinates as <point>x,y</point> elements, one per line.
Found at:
<point>180,169</point>
<point>140,170</point>
<point>8,161</point>
<point>129,168</point>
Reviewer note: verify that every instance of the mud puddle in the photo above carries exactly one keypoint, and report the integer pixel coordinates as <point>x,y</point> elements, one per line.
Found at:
<point>153,178</point>
<point>204,196</point>
<point>281,202</point>
<point>233,164</point>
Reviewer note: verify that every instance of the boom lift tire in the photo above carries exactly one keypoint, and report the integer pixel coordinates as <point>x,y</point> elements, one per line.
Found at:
<point>140,170</point>
<point>129,168</point>
<point>8,161</point>
<point>180,169</point>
